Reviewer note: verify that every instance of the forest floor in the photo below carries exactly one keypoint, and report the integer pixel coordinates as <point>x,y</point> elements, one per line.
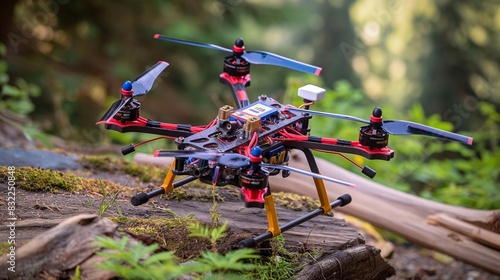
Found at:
<point>410,261</point>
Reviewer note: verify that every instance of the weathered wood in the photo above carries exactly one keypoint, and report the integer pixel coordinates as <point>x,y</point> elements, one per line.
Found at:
<point>42,223</point>
<point>359,262</point>
<point>55,253</point>
<point>323,231</point>
<point>477,234</point>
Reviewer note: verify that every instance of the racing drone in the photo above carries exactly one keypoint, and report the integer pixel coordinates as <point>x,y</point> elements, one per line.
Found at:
<point>249,142</point>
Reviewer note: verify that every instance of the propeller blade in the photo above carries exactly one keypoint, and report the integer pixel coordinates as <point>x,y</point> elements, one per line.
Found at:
<point>259,57</point>
<point>307,173</point>
<point>406,127</point>
<point>196,44</point>
<point>330,115</point>
<point>231,160</point>
<point>395,127</point>
<point>115,108</point>
<point>144,82</point>
<point>253,57</point>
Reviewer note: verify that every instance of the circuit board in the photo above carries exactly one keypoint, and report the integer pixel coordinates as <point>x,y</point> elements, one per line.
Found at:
<point>235,128</point>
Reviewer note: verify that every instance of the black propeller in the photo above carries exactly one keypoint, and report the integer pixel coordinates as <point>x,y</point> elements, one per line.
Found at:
<point>253,57</point>
<point>234,160</point>
<point>396,127</point>
<point>140,86</point>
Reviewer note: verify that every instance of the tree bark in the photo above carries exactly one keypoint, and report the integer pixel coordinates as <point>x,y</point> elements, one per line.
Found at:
<point>359,262</point>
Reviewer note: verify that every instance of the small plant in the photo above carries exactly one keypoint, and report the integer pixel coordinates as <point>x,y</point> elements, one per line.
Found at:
<point>137,261</point>
<point>104,206</point>
<point>278,267</point>
<point>214,211</point>
<point>211,233</point>
<point>77,275</point>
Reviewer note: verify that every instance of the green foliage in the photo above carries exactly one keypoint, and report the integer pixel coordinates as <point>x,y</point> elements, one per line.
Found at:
<point>214,211</point>
<point>136,261</point>
<point>232,261</point>
<point>281,263</point>
<point>213,234</point>
<point>18,98</point>
<point>15,97</point>
<point>104,206</point>
<point>432,168</point>
<point>133,261</point>
<point>77,275</point>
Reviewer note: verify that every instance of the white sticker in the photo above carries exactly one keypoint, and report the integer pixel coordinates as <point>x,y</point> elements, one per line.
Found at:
<point>258,110</point>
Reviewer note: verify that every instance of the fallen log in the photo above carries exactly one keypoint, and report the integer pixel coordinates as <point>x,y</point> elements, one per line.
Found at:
<point>476,233</point>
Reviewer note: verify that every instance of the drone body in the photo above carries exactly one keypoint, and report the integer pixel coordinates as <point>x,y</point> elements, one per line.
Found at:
<point>246,144</point>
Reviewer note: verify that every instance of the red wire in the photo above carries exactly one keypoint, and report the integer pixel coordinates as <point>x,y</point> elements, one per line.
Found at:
<point>342,155</point>
<point>253,142</point>
<point>154,139</point>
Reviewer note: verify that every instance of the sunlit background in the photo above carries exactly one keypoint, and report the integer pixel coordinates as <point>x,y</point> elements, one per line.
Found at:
<point>435,62</point>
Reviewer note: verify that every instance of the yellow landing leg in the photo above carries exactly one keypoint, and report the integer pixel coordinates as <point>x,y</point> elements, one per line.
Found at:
<point>272,217</point>
<point>168,185</point>
<point>323,196</point>
<point>275,230</point>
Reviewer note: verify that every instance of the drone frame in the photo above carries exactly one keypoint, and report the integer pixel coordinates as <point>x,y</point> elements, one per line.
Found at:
<point>236,74</point>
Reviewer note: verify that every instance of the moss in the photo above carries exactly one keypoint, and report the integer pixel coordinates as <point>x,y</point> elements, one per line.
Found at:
<point>171,233</point>
<point>296,202</point>
<point>45,180</point>
<point>5,247</point>
<point>37,179</point>
<point>146,173</point>
<point>190,193</point>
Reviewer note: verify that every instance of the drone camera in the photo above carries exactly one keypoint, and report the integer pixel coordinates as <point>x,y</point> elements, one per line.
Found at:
<point>312,92</point>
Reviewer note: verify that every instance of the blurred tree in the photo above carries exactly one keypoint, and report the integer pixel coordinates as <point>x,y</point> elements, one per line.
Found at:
<point>336,29</point>
<point>442,53</point>
<point>81,52</point>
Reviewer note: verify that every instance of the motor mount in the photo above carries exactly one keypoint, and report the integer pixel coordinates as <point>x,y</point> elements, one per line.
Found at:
<point>373,135</point>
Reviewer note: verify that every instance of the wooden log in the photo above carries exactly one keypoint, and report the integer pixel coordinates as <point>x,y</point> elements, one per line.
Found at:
<point>477,234</point>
